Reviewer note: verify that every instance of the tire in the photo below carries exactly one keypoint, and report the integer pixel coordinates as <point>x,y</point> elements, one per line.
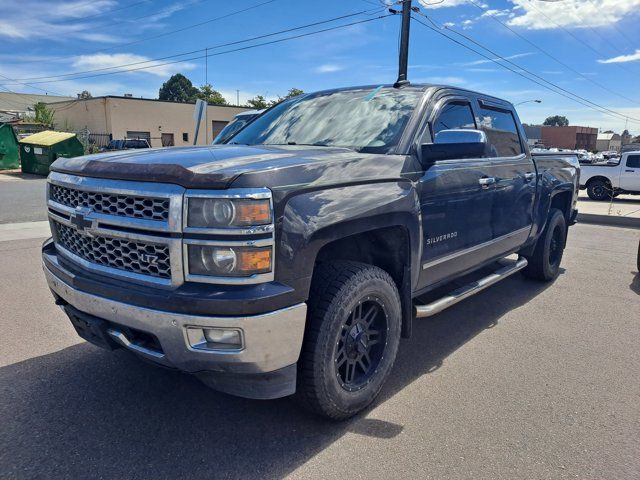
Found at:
<point>638,259</point>
<point>352,338</point>
<point>599,190</point>
<point>544,264</point>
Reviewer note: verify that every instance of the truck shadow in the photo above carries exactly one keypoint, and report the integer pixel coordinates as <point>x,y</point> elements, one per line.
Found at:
<point>86,413</point>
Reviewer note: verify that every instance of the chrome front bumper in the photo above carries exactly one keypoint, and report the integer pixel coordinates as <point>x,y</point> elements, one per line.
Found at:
<point>272,341</point>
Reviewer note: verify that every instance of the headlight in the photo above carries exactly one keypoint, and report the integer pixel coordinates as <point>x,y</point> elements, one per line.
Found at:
<point>227,212</point>
<point>229,261</point>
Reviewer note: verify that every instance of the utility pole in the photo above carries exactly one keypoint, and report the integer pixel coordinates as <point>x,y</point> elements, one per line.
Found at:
<point>238,98</point>
<point>404,45</point>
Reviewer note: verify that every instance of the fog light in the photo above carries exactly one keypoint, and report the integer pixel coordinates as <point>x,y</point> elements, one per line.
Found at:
<point>226,337</point>
<point>215,338</point>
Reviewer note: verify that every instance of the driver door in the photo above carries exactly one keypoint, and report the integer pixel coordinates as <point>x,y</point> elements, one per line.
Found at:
<point>456,201</point>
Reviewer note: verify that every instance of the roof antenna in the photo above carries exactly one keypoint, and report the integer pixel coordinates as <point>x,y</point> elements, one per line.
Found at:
<point>404,45</point>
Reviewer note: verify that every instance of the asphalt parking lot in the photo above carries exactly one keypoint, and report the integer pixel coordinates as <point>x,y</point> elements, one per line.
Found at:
<point>525,380</point>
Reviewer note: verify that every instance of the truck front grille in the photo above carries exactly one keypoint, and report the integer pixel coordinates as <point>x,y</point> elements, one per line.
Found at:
<point>112,204</point>
<point>126,255</point>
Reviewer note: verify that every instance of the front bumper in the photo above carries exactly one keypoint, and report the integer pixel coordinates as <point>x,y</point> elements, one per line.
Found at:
<point>271,346</point>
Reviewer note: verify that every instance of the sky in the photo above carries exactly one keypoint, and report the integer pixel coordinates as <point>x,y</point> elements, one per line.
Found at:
<point>587,47</point>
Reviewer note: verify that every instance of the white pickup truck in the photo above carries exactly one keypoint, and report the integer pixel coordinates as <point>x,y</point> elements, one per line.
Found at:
<point>607,180</point>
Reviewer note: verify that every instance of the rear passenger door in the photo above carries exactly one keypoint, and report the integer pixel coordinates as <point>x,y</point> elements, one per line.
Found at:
<point>630,174</point>
<point>455,205</point>
<point>514,174</point>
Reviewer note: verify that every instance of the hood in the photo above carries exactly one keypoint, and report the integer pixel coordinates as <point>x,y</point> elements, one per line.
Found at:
<point>217,166</point>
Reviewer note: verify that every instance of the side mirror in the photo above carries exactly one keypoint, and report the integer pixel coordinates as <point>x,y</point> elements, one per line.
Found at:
<point>454,145</point>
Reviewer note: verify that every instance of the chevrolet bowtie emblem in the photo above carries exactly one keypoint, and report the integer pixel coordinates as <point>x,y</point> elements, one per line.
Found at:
<point>79,221</point>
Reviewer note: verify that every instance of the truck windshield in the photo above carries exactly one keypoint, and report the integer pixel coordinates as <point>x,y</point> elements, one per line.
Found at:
<point>366,120</point>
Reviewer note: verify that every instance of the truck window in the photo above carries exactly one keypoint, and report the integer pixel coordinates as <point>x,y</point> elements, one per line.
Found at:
<point>501,130</point>
<point>633,161</point>
<point>454,115</point>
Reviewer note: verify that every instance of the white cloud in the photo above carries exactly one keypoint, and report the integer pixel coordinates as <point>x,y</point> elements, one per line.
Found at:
<point>328,68</point>
<point>571,13</point>
<point>431,4</point>
<point>496,13</point>
<point>510,57</point>
<point>633,57</point>
<point>38,19</point>
<point>104,61</point>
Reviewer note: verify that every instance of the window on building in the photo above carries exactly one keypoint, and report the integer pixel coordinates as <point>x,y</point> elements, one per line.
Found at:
<point>453,116</point>
<point>501,130</point>
<point>633,161</point>
<point>185,137</point>
<point>167,139</point>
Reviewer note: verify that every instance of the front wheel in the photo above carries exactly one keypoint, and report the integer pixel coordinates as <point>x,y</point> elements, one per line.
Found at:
<point>544,264</point>
<point>599,190</point>
<point>352,338</point>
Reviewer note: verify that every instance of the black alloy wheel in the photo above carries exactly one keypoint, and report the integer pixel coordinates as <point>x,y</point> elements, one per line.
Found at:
<point>361,345</point>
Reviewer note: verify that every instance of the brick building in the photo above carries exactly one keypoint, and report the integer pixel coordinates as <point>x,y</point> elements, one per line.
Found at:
<point>572,137</point>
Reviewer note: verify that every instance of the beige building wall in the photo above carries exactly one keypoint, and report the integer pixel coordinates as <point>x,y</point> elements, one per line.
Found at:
<point>132,117</point>
<point>76,115</point>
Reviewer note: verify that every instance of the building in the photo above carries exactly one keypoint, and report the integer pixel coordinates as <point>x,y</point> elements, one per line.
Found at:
<point>160,122</point>
<point>533,133</point>
<point>608,142</point>
<point>572,137</point>
<point>17,105</point>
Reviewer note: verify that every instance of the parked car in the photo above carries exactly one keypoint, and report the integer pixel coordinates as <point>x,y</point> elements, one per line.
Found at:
<point>126,143</point>
<point>296,258</point>
<point>603,181</point>
<point>235,125</point>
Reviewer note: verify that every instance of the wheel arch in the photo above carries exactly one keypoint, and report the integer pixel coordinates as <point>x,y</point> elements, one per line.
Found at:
<point>598,177</point>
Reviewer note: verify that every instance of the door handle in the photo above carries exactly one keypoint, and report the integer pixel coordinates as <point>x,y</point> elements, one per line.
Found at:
<point>486,181</point>
<point>629,171</point>
<point>529,176</point>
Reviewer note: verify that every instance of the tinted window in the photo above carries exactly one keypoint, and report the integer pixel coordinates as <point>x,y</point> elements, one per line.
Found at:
<point>502,133</point>
<point>633,161</point>
<point>453,116</point>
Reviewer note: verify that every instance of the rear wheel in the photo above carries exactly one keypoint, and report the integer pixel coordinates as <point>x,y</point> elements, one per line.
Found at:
<point>544,264</point>
<point>351,340</point>
<point>599,190</point>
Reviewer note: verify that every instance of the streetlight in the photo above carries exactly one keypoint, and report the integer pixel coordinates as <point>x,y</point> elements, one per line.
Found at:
<point>529,101</point>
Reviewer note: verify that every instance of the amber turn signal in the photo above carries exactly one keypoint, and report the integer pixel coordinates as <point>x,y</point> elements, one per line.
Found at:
<point>255,260</point>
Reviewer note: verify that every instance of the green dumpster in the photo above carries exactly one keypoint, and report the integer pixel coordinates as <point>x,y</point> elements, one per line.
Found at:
<point>40,150</point>
<point>8,147</point>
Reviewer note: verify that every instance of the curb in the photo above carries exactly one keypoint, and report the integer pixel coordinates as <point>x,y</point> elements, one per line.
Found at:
<point>609,220</point>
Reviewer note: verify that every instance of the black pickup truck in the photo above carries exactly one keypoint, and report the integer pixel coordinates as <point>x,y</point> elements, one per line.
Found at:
<point>295,257</point>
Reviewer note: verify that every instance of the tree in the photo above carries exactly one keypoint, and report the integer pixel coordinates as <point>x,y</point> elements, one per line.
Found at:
<point>259,102</point>
<point>83,95</point>
<point>293,92</point>
<point>211,96</point>
<point>41,114</point>
<point>556,121</point>
<point>178,89</point>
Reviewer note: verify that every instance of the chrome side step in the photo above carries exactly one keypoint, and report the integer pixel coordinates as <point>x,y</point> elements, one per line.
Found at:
<point>468,290</point>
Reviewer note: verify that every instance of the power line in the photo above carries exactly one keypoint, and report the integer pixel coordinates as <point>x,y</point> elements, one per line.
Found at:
<point>620,31</point>
<point>219,53</point>
<point>163,34</point>
<point>28,85</point>
<point>579,100</point>
<point>528,71</point>
<point>106,12</point>
<point>580,41</point>
<point>192,52</point>
<point>534,45</point>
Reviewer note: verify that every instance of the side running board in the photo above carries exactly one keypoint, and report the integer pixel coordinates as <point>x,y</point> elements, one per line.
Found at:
<point>468,290</point>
